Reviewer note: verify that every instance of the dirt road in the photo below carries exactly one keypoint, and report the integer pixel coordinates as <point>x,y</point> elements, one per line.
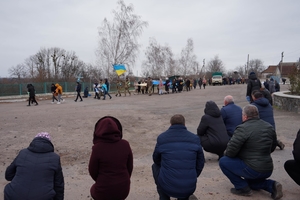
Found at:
<point>143,118</point>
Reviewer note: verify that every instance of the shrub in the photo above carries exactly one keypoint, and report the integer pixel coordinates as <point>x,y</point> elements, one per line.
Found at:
<point>295,81</point>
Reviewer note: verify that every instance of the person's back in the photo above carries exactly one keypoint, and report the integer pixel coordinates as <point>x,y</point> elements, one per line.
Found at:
<point>36,173</point>
<point>272,86</point>
<point>111,161</point>
<point>264,108</point>
<point>253,84</point>
<point>231,114</point>
<point>212,130</point>
<point>179,156</point>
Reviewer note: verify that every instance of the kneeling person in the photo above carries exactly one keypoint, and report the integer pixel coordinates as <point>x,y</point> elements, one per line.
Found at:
<point>178,161</point>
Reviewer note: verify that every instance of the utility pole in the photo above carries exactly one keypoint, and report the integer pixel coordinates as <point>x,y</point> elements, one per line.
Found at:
<point>281,64</point>
<point>247,65</point>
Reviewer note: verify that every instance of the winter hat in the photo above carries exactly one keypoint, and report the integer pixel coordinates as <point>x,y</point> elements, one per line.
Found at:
<point>43,135</point>
<point>252,73</point>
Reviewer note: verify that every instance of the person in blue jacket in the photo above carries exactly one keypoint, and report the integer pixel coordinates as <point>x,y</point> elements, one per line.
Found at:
<point>231,114</point>
<point>35,173</point>
<point>178,161</point>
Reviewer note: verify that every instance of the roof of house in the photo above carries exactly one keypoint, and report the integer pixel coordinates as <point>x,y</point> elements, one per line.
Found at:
<point>285,68</point>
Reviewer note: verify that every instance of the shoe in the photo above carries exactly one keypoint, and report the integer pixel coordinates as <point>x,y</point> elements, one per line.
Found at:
<point>36,104</point>
<point>58,102</point>
<point>242,192</point>
<point>63,100</point>
<point>110,97</point>
<point>81,100</point>
<point>52,102</point>
<point>103,99</point>
<point>75,100</point>
<point>277,191</point>
<point>116,95</point>
<point>280,144</point>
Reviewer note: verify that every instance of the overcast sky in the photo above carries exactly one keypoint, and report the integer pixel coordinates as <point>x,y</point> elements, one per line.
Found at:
<point>231,29</point>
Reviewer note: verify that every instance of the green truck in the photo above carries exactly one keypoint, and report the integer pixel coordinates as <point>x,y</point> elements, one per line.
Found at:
<point>217,78</point>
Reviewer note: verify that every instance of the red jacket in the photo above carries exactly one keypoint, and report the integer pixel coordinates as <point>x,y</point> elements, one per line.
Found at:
<point>111,161</point>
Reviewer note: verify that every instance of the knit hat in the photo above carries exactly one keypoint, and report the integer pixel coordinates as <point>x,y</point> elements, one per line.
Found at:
<point>44,135</point>
<point>252,73</point>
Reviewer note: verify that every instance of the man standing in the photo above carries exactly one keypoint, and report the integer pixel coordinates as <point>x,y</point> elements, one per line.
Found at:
<point>247,162</point>
<point>78,90</point>
<point>231,114</point>
<point>253,84</point>
<point>126,86</point>
<point>178,161</point>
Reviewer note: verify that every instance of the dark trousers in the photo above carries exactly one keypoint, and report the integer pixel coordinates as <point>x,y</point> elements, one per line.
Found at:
<point>293,169</point>
<point>32,99</point>
<point>106,93</point>
<point>78,95</point>
<point>53,97</point>
<point>162,195</point>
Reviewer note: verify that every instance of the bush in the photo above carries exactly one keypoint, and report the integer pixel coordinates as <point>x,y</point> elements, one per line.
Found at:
<point>295,81</point>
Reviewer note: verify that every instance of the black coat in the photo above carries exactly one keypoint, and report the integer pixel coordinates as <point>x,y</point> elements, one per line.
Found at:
<point>253,84</point>
<point>212,130</point>
<point>35,173</point>
<point>296,150</point>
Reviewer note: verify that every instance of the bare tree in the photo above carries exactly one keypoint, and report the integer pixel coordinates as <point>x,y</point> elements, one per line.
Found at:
<point>119,39</point>
<point>18,71</point>
<point>57,56</point>
<point>188,59</point>
<point>256,65</point>
<point>159,59</point>
<point>215,65</point>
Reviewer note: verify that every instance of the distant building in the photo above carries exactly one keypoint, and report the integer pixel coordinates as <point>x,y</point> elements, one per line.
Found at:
<point>282,70</point>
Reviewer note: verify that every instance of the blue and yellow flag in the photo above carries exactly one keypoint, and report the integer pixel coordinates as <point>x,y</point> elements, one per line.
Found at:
<point>120,69</point>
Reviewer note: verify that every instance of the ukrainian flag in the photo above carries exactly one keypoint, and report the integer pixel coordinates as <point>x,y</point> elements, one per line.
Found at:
<point>120,69</point>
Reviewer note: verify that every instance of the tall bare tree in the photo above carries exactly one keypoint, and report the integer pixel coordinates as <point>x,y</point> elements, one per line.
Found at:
<point>256,65</point>
<point>187,60</point>
<point>18,71</point>
<point>158,59</point>
<point>119,39</point>
<point>215,65</point>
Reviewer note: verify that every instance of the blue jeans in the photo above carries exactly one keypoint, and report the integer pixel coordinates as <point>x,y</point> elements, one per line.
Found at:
<point>241,176</point>
<point>161,193</point>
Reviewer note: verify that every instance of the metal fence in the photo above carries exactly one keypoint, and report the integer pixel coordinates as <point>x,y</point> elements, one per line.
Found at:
<point>43,88</point>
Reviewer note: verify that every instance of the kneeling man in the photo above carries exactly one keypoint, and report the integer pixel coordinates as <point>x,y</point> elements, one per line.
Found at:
<point>247,162</point>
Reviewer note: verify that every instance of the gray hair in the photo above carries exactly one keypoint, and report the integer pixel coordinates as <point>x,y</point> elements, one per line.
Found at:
<point>250,111</point>
<point>229,99</point>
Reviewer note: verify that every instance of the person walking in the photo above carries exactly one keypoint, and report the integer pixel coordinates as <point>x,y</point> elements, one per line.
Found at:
<point>253,84</point>
<point>53,88</point>
<point>31,92</point>
<point>178,161</point>
<point>59,92</point>
<point>105,90</point>
<point>78,90</point>
<point>36,172</point>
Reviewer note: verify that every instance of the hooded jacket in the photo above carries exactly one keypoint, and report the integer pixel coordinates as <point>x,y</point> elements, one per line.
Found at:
<point>31,90</point>
<point>111,161</point>
<point>58,89</point>
<point>253,84</point>
<point>265,110</point>
<point>212,130</point>
<point>35,173</point>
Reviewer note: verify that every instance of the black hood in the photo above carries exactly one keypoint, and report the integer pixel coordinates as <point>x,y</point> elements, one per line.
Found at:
<point>212,109</point>
<point>252,76</point>
<point>41,145</point>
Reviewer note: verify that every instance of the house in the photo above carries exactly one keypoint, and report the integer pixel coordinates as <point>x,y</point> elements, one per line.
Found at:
<point>282,70</point>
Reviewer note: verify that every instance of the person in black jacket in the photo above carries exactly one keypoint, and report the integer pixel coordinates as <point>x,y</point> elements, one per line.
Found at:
<point>78,90</point>
<point>212,130</point>
<point>253,84</point>
<point>292,167</point>
<point>35,173</point>
<point>53,88</point>
<point>31,92</point>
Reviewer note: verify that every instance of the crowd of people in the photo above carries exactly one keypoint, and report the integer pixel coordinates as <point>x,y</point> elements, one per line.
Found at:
<point>242,138</point>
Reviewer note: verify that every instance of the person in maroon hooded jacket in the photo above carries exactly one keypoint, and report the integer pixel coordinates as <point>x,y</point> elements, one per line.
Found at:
<point>111,161</point>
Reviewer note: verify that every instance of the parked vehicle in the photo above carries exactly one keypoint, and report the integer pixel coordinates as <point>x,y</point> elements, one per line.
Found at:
<point>217,78</point>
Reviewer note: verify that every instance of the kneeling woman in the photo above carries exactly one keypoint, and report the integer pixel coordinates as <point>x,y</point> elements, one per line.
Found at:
<point>111,161</point>
<point>212,130</point>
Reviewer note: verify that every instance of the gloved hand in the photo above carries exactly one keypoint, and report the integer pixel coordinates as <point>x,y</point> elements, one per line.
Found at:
<point>248,98</point>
